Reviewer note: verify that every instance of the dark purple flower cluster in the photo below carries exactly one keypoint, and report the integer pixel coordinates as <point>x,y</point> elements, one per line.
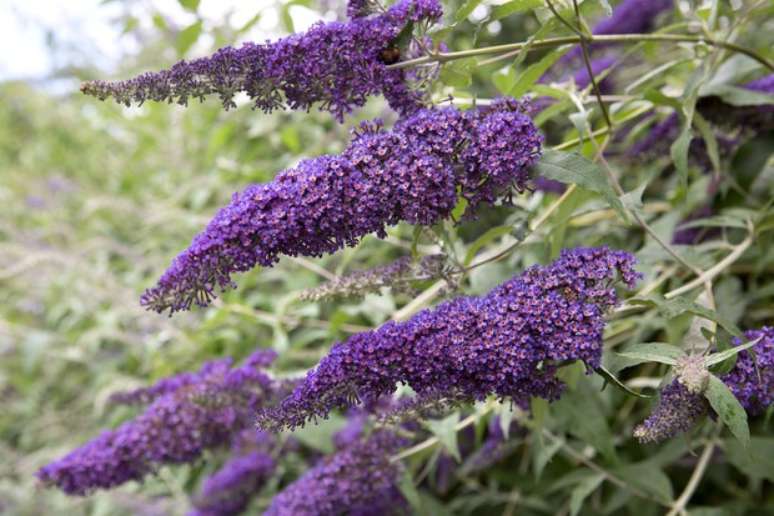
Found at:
<point>412,173</point>
<point>508,343</point>
<point>230,489</point>
<point>752,378</point>
<point>677,411</point>
<point>338,65</point>
<point>358,480</point>
<point>202,412</point>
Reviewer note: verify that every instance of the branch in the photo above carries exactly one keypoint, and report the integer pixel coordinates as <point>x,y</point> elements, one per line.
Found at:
<point>442,57</point>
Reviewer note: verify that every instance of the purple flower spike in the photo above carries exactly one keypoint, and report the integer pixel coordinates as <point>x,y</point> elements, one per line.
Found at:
<point>359,480</point>
<point>202,412</point>
<point>230,489</point>
<point>411,174</point>
<point>752,378</point>
<point>677,411</point>
<point>338,65</point>
<point>508,343</point>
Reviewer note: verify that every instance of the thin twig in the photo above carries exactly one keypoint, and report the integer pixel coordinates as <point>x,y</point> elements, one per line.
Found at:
<point>589,70</point>
<point>697,475</point>
<point>441,57</point>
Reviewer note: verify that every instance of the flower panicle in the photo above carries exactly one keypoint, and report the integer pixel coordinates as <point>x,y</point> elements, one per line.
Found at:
<point>358,479</point>
<point>508,343</point>
<point>412,173</point>
<point>337,65</point>
<point>229,490</point>
<point>201,412</point>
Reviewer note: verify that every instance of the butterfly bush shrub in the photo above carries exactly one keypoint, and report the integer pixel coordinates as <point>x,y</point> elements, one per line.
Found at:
<point>468,295</point>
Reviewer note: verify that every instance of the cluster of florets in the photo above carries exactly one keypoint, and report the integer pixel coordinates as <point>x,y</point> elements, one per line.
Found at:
<point>682,402</point>
<point>203,411</point>
<point>677,411</point>
<point>412,173</point>
<point>508,343</point>
<point>338,65</point>
<point>752,378</point>
<point>397,275</point>
<point>360,479</point>
<point>230,489</point>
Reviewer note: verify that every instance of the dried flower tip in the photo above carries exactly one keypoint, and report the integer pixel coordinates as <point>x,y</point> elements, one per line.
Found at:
<point>398,276</point>
<point>692,373</point>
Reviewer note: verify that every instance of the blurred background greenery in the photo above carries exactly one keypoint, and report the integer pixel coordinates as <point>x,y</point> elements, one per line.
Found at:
<point>96,199</point>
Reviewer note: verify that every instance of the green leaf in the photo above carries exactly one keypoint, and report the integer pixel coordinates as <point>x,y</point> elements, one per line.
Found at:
<point>534,72</point>
<point>581,414</point>
<point>671,308</point>
<point>190,5</point>
<point>543,452</point>
<point>490,235</point>
<point>737,96</point>
<point>613,379</point>
<point>653,352</point>
<point>728,408</point>
<point>648,477</point>
<point>320,436</point>
<point>512,7</point>
<point>504,79</point>
<point>457,73</point>
<point>660,99</point>
<point>757,461</point>
<point>464,11</point>
<point>708,134</point>
<point>286,18</point>
<point>188,36</point>
<point>679,152</point>
<point>586,486</point>
<point>570,167</point>
<point>444,429</point>
<point>751,159</point>
<point>410,492</point>
<point>720,356</point>
<point>730,71</point>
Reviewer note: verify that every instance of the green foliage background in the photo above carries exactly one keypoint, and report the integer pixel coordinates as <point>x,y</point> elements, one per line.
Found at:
<point>96,199</point>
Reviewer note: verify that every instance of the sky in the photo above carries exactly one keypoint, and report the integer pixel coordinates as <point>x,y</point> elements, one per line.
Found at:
<point>84,27</point>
